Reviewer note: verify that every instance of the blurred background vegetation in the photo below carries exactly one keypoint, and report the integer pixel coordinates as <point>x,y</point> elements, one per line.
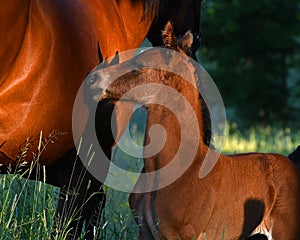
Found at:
<point>252,51</point>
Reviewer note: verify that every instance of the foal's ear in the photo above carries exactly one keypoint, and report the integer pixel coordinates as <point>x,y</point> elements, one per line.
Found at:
<point>100,58</point>
<point>168,37</point>
<point>115,60</point>
<point>187,40</point>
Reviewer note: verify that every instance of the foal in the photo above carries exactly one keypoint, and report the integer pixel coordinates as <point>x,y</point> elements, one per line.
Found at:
<point>244,195</point>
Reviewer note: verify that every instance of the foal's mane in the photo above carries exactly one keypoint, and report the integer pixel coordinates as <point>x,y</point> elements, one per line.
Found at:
<point>206,122</point>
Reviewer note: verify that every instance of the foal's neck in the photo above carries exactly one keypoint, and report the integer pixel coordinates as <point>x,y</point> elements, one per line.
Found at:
<point>179,115</point>
<point>183,132</point>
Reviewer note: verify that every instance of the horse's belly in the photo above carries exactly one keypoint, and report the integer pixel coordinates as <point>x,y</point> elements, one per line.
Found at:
<point>37,96</point>
<point>41,127</point>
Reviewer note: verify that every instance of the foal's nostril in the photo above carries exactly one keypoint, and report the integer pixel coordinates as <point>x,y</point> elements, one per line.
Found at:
<point>92,96</point>
<point>91,90</point>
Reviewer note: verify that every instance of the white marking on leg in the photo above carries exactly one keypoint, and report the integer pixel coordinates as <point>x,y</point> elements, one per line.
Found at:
<point>262,229</point>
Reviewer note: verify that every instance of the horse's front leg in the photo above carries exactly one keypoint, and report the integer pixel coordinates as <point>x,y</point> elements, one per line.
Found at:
<point>81,199</point>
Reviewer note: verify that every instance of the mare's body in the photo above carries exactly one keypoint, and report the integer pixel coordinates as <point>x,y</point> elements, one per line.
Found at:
<point>46,49</point>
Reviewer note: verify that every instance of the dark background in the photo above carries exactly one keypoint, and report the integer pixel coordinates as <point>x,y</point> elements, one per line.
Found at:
<point>252,51</point>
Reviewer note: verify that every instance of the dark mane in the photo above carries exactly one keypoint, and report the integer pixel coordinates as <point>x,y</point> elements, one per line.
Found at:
<point>206,122</point>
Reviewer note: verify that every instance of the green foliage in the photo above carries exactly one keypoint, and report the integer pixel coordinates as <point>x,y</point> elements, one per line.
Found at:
<point>250,48</point>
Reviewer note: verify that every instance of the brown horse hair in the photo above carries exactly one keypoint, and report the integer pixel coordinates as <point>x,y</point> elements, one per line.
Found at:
<point>150,7</point>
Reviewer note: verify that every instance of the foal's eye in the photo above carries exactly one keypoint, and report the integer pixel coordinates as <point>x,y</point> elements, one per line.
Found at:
<point>135,71</point>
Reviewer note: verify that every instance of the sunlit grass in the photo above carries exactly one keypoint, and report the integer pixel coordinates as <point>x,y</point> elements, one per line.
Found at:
<point>261,139</point>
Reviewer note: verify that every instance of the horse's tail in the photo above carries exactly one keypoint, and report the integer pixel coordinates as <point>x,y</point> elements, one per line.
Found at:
<point>295,157</point>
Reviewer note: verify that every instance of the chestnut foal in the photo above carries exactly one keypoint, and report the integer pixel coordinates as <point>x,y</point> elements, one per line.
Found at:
<point>245,196</point>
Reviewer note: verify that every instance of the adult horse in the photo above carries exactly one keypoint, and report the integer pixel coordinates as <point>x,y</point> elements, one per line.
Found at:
<point>244,196</point>
<point>46,49</point>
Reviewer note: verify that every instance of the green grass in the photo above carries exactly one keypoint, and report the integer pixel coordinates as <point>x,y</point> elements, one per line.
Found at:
<point>27,207</point>
<point>261,139</point>
<point>27,211</point>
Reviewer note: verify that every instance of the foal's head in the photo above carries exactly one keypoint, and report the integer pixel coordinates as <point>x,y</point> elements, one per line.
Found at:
<point>154,61</point>
<point>150,76</point>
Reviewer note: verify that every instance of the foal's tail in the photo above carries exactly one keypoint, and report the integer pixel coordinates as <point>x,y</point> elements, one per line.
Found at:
<point>295,157</point>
